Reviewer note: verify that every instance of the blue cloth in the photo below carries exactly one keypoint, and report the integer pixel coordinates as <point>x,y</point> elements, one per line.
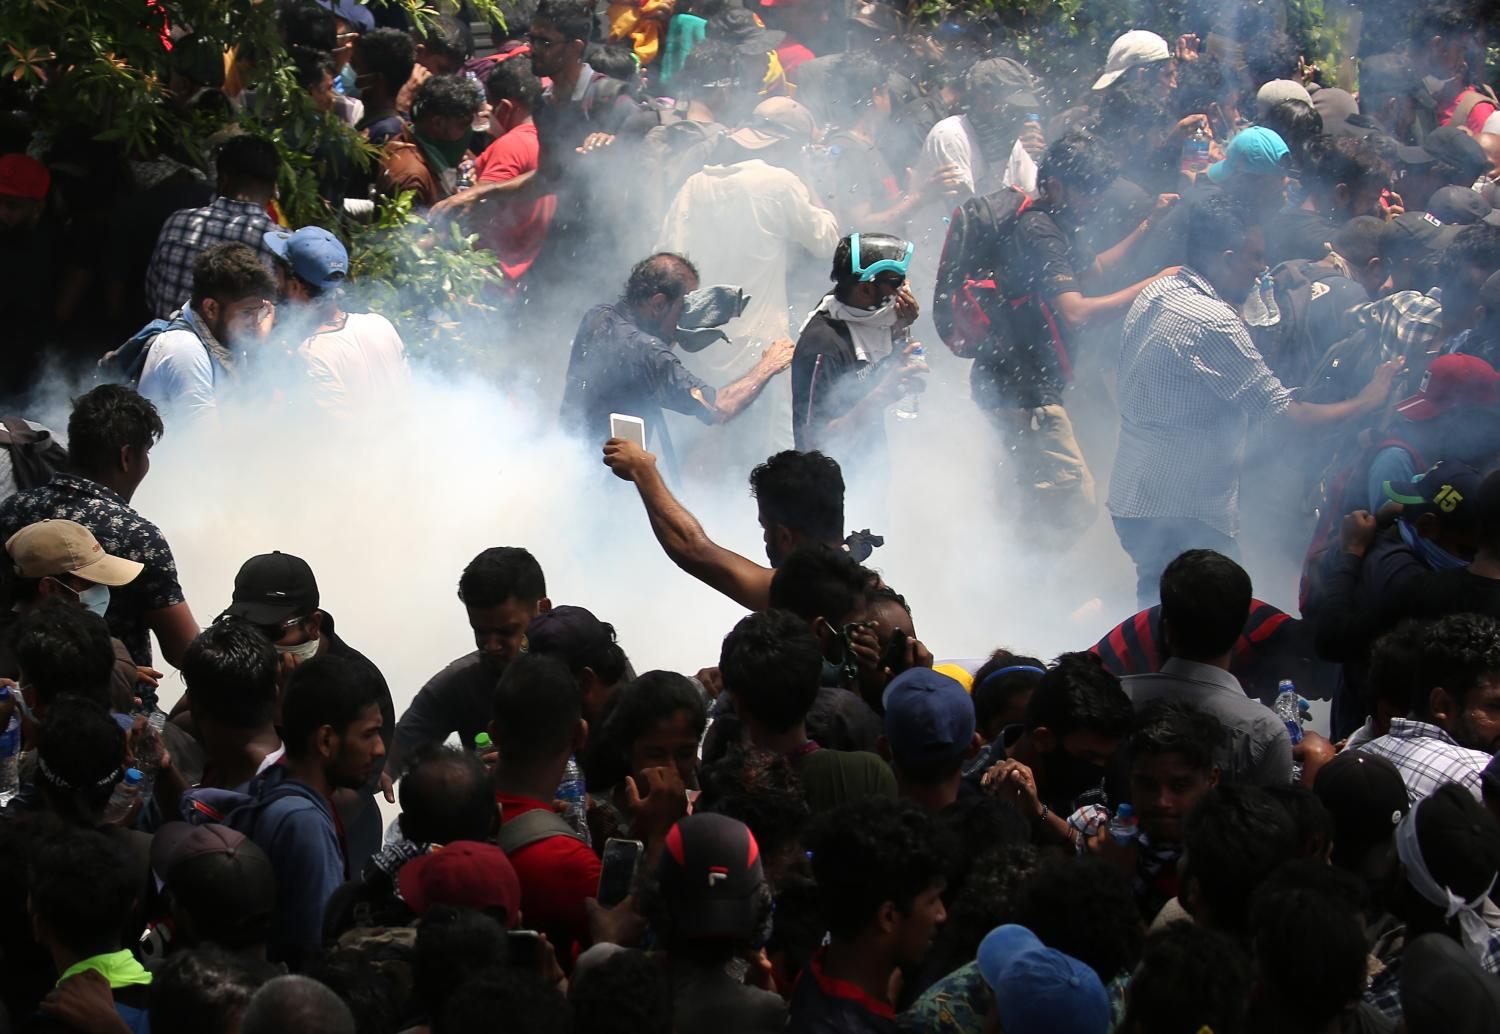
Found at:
<point>1393,464</point>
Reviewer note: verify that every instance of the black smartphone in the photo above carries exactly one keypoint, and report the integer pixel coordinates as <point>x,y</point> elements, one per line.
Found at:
<point>525,949</point>
<point>617,871</point>
<point>894,657</point>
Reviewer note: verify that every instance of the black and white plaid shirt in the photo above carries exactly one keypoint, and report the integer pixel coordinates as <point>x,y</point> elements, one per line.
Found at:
<point>186,233</point>
<point>1427,758</point>
<point>1189,380</point>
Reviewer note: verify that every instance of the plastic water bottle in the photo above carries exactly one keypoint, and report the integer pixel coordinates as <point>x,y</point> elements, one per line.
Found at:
<point>149,749</point>
<point>575,794</point>
<point>483,745</point>
<point>127,792</point>
<point>1289,709</point>
<point>1124,828</point>
<point>1195,157</point>
<point>908,407</point>
<point>1260,308</point>
<point>10,752</point>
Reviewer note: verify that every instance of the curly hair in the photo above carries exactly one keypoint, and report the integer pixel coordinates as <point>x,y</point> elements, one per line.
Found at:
<point>872,851</point>
<point>1084,907</point>
<point>772,663</point>
<point>1459,654</point>
<point>761,790</point>
<point>447,96</point>
<point>627,993</point>
<point>631,713</point>
<point>1190,978</point>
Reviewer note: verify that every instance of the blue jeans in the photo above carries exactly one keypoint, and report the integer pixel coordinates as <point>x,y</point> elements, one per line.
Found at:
<point>1154,542</point>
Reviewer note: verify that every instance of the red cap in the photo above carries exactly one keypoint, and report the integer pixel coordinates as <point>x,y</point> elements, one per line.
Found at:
<point>1452,381</point>
<point>25,177</point>
<point>464,874</point>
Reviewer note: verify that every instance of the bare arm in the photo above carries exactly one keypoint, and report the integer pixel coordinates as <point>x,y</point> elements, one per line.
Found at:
<point>1106,261</point>
<point>175,628</point>
<point>1076,309</point>
<point>731,400</point>
<point>682,538</point>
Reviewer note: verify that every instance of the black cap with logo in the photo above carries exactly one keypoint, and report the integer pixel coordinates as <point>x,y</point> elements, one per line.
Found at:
<point>272,588</point>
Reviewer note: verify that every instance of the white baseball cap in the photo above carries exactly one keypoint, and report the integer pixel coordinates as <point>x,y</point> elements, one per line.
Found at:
<point>1278,90</point>
<point>1136,48</point>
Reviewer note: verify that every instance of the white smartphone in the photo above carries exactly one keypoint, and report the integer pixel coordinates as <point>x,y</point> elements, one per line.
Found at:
<point>630,428</point>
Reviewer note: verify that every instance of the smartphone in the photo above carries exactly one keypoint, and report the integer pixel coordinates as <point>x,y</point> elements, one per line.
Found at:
<point>617,873</point>
<point>525,949</point>
<point>894,657</point>
<point>630,428</point>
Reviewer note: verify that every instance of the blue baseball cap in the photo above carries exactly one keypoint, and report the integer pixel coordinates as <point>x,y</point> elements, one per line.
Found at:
<point>356,16</point>
<point>1256,150</point>
<point>1039,990</point>
<point>929,718</point>
<point>314,254</point>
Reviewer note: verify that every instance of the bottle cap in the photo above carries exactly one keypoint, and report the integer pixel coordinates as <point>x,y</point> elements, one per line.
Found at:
<point>482,740</point>
<point>1125,811</point>
<point>133,776</point>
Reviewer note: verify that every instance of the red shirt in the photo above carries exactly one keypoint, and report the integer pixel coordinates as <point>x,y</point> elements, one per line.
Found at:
<point>1478,115</point>
<point>793,55</point>
<point>556,875</point>
<point>519,228</point>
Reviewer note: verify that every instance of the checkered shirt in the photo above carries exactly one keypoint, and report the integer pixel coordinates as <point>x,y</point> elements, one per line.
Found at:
<point>1427,758</point>
<point>1190,379</point>
<point>1384,992</point>
<point>186,233</point>
<point>1410,322</point>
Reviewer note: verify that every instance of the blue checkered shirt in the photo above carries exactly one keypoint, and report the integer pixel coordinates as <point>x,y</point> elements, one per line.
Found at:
<point>1190,379</point>
<point>1384,992</point>
<point>1427,758</point>
<point>188,232</point>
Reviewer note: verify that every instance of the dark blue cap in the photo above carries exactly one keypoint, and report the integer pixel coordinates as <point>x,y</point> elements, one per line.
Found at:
<point>929,718</point>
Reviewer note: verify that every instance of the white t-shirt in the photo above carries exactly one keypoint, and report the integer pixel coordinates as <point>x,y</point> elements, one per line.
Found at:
<point>179,374</point>
<point>360,364</point>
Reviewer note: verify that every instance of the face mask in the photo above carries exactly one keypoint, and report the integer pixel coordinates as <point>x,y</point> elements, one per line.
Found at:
<point>1068,778</point>
<point>302,651</point>
<point>348,82</point>
<point>95,599</point>
<point>449,152</point>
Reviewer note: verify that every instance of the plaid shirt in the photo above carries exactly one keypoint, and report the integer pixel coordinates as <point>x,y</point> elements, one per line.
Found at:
<point>1410,322</point>
<point>186,233</point>
<point>1384,992</point>
<point>1189,380</point>
<point>1427,758</point>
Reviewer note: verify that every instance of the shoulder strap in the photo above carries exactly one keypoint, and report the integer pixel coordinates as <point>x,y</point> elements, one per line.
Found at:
<point>1471,99</point>
<point>532,827</point>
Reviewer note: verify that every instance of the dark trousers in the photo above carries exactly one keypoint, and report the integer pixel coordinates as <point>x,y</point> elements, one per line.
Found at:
<point>1154,542</point>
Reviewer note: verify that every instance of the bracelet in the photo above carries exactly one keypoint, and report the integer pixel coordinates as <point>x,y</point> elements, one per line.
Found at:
<point>1043,816</point>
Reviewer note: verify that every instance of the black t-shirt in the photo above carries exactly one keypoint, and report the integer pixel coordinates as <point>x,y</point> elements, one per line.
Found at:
<point>846,172</point>
<point>829,379</point>
<point>1345,631</point>
<point>1033,368</point>
<point>1295,233</point>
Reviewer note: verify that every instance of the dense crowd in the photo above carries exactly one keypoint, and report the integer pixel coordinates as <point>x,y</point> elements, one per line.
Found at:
<point>1279,296</point>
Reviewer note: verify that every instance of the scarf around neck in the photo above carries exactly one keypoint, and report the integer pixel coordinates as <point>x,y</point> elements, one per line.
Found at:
<point>872,330</point>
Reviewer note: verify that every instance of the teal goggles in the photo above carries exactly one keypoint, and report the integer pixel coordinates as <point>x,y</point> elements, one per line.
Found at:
<point>868,273</point>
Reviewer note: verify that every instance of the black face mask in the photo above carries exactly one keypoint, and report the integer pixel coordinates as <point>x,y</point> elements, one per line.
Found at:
<point>1069,778</point>
<point>996,133</point>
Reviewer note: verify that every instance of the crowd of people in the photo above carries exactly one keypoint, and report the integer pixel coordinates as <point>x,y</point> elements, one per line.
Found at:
<point>1278,295</point>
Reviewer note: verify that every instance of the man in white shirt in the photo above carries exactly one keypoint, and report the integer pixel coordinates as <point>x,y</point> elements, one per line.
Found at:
<point>739,223</point>
<point>352,359</point>
<point>187,364</point>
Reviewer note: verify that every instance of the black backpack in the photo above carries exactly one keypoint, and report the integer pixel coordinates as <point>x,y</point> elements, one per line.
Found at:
<point>971,307</point>
<point>1290,346</point>
<point>34,455</point>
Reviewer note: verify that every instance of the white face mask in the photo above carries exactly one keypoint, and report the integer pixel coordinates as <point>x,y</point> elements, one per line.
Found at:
<point>95,598</point>
<point>302,651</point>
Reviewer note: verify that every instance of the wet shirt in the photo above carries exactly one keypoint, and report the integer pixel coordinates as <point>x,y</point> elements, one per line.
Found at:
<point>122,532</point>
<point>616,367</point>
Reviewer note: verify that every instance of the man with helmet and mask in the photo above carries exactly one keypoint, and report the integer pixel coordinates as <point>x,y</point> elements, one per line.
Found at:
<point>852,360</point>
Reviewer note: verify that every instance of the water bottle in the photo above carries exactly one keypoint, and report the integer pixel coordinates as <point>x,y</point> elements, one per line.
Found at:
<point>1195,157</point>
<point>575,794</point>
<point>1288,708</point>
<point>1124,828</point>
<point>127,792</point>
<point>149,749</point>
<point>1260,308</point>
<point>483,745</point>
<point>907,408</point>
<point>10,752</point>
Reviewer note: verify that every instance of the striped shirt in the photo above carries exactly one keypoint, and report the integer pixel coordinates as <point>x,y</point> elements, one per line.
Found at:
<point>1190,379</point>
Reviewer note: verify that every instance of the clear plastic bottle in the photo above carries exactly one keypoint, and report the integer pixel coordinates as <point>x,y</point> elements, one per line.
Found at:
<point>127,792</point>
<point>1260,308</point>
<point>483,745</point>
<point>909,406</point>
<point>1288,708</point>
<point>1195,156</point>
<point>10,752</point>
<point>573,791</point>
<point>1124,827</point>
<point>149,749</point>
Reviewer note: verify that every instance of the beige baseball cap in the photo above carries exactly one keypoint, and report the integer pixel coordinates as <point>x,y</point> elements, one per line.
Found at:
<point>51,548</point>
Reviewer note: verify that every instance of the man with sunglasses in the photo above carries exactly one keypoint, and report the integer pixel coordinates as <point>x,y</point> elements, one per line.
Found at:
<point>852,360</point>
<point>278,594</point>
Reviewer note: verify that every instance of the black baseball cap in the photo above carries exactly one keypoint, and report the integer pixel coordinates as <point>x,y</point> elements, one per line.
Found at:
<point>273,587</point>
<point>710,877</point>
<point>1459,841</point>
<point>1449,490</point>
<point>1451,146</point>
<point>1460,206</point>
<point>1444,990</point>
<point>571,634</point>
<point>1412,234</point>
<point>219,877</point>
<point>1366,798</point>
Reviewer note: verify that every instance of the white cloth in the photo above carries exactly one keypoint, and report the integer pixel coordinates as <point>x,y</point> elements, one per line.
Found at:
<point>179,374</point>
<point>870,330</point>
<point>8,470</point>
<point>1472,924</point>
<point>739,225</point>
<point>362,363</point>
<point>1492,124</point>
